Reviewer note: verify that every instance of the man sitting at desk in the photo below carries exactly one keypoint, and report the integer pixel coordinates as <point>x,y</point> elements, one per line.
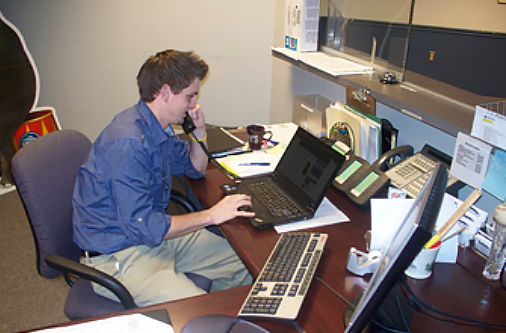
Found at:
<point>124,186</point>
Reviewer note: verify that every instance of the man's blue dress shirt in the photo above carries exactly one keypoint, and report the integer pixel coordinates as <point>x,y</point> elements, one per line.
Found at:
<point>124,186</point>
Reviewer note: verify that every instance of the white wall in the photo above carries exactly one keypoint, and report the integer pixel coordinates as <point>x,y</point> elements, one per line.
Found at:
<point>88,53</point>
<point>479,15</point>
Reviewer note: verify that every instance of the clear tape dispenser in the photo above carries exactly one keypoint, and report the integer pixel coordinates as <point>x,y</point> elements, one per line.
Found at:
<point>361,263</point>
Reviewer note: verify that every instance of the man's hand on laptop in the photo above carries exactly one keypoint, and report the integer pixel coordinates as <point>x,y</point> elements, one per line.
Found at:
<point>232,206</point>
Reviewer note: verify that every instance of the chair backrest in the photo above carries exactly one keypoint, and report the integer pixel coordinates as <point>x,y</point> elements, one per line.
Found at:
<point>45,173</point>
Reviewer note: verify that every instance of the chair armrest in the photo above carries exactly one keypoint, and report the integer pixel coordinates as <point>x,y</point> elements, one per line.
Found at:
<point>183,201</point>
<point>89,273</point>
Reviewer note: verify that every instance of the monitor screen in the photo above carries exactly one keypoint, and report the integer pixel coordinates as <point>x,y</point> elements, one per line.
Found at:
<point>415,230</point>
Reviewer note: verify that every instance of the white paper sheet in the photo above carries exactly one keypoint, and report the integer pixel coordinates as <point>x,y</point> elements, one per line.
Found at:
<point>326,63</point>
<point>282,133</point>
<point>4,190</point>
<point>450,248</point>
<point>326,214</point>
<point>489,126</point>
<point>388,214</point>
<point>235,162</point>
<point>134,323</point>
<point>270,154</point>
<point>470,160</point>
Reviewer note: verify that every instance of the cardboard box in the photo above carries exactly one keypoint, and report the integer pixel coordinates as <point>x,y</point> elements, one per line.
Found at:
<point>301,24</point>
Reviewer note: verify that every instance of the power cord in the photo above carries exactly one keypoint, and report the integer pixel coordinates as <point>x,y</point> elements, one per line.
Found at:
<point>401,314</point>
<point>388,329</point>
<point>351,305</point>
<point>188,127</point>
<point>230,174</point>
<point>398,302</point>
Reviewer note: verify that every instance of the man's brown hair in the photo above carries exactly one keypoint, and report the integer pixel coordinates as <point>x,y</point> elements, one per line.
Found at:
<point>177,69</point>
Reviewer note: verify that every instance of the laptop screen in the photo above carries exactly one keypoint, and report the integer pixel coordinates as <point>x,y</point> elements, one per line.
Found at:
<point>309,164</point>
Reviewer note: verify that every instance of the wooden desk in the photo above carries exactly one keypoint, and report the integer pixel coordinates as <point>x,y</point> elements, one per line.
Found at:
<point>456,288</point>
<point>226,302</point>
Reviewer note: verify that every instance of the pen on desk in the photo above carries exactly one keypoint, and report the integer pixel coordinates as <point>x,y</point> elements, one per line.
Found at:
<point>255,164</point>
<point>272,142</point>
<point>231,151</point>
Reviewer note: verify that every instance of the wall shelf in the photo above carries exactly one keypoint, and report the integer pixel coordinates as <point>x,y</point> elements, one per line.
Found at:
<point>444,107</point>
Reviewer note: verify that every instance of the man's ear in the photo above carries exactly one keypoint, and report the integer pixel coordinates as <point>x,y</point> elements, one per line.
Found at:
<point>166,92</point>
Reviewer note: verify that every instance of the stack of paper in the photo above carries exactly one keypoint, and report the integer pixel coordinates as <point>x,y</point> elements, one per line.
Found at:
<point>332,65</point>
<point>133,323</point>
<point>250,164</point>
<point>264,160</point>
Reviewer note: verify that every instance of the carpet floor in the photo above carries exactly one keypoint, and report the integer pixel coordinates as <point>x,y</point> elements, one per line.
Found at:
<point>28,300</point>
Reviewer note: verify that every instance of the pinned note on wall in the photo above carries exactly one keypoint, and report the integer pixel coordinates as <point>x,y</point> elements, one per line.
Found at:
<point>489,125</point>
<point>470,160</point>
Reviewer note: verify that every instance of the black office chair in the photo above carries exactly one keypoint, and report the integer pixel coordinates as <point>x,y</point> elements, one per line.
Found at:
<point>45,172</point>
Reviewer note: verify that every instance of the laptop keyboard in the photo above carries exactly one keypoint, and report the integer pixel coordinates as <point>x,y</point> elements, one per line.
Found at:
<point>276,201</point>
<point>285,278</point>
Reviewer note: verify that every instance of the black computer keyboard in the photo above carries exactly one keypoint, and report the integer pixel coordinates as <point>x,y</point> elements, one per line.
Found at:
<point>285,278</point>
<point>275,200</point>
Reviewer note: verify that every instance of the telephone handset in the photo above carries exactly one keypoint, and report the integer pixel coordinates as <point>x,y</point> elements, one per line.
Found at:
<point>361,181</point>
<point>391,157</point>
<point>188,125</point>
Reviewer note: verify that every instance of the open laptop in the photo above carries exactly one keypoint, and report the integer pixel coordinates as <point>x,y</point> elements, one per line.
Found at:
<point>301,180</point>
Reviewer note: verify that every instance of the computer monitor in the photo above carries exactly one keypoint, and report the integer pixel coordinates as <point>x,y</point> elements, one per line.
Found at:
<point>415,230</point>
